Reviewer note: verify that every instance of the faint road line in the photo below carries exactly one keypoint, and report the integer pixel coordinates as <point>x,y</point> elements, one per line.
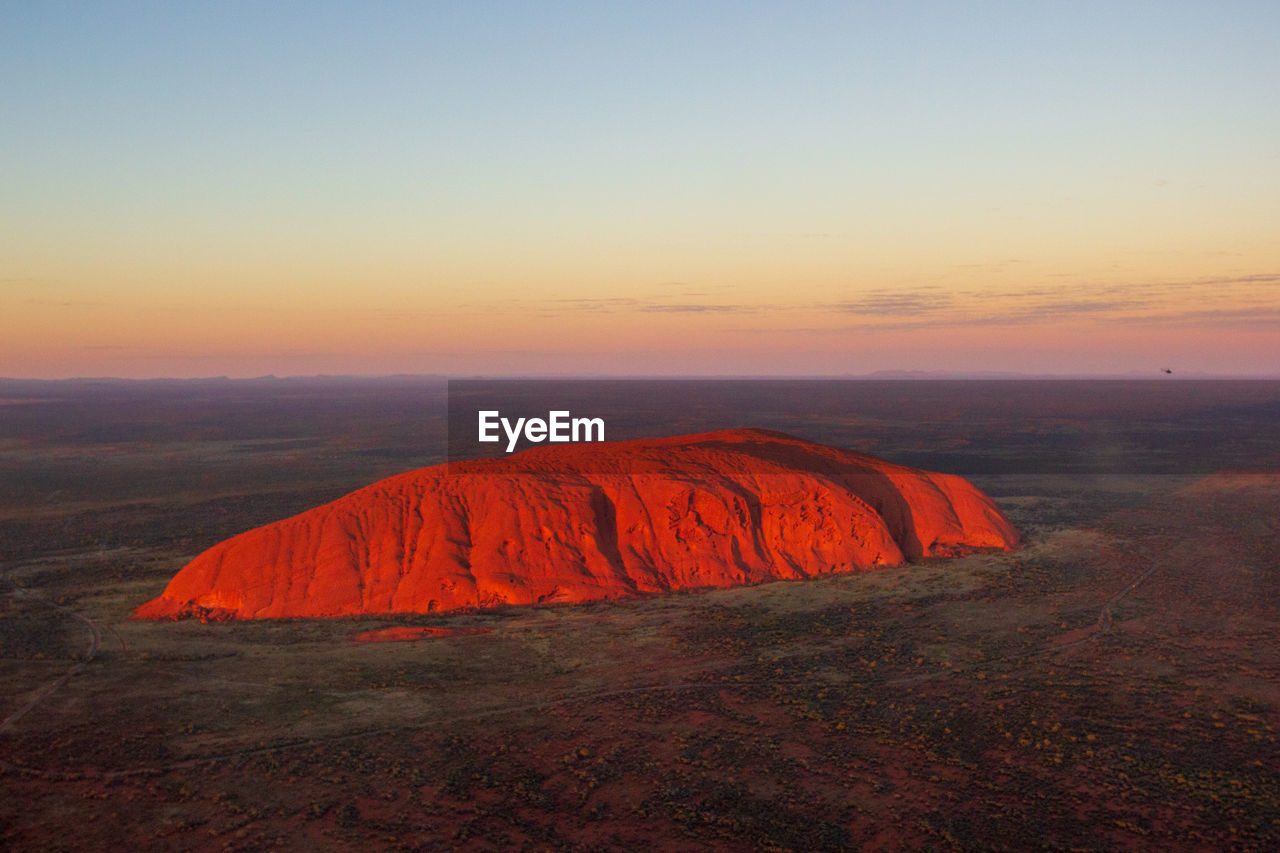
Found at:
<point>43,693</point>
<point>1104,617</point>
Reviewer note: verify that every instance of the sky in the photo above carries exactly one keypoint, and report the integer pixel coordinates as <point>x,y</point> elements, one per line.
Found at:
<point>709,188</point>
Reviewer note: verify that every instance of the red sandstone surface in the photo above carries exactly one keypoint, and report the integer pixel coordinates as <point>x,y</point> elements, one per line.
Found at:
<point>582,522</point>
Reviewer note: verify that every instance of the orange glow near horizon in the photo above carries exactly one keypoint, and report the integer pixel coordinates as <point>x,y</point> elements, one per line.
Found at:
<point>1195,310</point>
<point>1199,327</point>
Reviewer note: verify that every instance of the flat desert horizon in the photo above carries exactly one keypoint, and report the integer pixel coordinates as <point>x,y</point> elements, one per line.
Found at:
<point>1110,683</point>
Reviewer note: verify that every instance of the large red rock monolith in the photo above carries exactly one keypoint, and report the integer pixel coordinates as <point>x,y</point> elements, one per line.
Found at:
<point>581,522</point>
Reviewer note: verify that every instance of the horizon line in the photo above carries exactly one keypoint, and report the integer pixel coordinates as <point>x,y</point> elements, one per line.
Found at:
<point>880,375</point>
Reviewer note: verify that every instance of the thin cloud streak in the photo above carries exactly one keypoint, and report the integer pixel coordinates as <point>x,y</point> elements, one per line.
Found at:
<point>933,306</point>
<point>1234,317</point>
<point>885,303</point>
<point>1151,303</point>
<point>699,309</point>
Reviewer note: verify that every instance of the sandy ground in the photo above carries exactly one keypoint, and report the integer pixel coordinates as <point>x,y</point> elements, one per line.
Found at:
<point>1109,685</point>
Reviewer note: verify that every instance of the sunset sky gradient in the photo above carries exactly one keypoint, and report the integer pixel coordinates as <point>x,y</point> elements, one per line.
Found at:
<point>639,188</point>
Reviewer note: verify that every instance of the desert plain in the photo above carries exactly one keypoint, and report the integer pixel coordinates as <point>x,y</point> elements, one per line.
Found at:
<point>1112,684</point>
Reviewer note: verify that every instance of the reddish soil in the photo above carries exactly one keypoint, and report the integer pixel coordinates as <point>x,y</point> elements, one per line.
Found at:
<point>406,633</point>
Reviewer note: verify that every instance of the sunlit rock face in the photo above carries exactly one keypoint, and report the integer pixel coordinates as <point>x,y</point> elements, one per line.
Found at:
<point>582,522</point>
